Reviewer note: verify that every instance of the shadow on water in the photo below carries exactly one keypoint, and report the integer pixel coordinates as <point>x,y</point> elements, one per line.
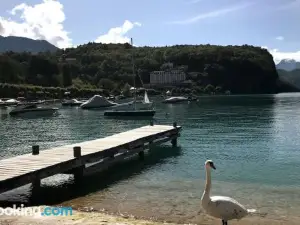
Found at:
<point>68,189</point>
<point>5,116</point>
<point>140,118</point>
<point>238,100</point>
<point>33,116</point>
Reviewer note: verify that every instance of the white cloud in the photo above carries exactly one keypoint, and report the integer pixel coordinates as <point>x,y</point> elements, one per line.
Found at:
<point>215,13</point>
<point>41,21</point>
<point>118,34</point>
<point>280,38</point>
<point>278,55</point>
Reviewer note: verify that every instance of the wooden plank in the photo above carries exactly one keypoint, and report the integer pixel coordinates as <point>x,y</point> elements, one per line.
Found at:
<point>20,170</point>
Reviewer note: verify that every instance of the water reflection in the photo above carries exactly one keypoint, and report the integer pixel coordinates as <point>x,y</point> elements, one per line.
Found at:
<point>61,188</point>
<point>253,140</point>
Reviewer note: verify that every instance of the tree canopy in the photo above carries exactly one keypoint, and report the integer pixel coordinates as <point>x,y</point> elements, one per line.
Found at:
<point>238,69</point>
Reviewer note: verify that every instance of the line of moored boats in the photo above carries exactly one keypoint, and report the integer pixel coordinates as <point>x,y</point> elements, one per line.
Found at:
<point>132,108</point>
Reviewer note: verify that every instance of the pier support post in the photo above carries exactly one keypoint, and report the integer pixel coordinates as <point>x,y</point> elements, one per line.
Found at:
<point>36,184</point>
<point>151,123</point>
<point>141,155</point>
<point>78,172</point>
<point>174,141</point>
<point>35,149</point>
<point>35,191</point>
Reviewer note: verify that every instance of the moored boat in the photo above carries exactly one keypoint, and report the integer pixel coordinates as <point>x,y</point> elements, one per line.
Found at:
<point>32,110</point>
<point>100,102</point>
<point>9,102</point>
<point>134,110</point>
<point>176,99</point>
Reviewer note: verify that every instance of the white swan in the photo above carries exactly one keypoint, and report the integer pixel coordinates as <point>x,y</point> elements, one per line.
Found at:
<point>221,207</point>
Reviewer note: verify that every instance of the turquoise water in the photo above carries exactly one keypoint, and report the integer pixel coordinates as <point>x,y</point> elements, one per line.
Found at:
<point>253,141</point>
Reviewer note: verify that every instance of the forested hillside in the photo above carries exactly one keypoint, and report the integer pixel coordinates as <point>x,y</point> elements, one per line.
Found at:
<point>239,69</point>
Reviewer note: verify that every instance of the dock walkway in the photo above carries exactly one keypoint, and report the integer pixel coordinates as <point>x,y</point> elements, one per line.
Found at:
<point>31,168</point>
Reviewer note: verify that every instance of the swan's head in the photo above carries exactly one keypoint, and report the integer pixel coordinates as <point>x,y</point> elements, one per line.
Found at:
<point>210,164</point>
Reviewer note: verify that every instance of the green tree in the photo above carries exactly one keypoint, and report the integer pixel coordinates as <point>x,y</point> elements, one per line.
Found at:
<point>126,90</point>
<point>67,77</point>
<point>240,69</point>
<point>107,84</point>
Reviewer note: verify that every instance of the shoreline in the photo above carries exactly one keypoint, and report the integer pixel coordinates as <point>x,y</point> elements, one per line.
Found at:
<point>92,217</point>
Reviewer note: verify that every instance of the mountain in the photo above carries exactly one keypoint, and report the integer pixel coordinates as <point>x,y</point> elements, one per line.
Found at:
<point>288,65</point>
<point>290,77</point>
<point>22,44</point>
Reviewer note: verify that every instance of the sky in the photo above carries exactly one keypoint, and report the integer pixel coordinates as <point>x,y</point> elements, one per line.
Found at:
<point>272,24</point>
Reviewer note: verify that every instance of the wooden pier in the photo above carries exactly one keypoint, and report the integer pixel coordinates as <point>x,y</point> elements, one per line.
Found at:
<point>31,168</point>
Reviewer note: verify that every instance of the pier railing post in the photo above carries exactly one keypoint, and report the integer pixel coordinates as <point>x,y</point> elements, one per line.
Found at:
<point>77,151</point>
<point>78,172</point>
<point>35,149</point>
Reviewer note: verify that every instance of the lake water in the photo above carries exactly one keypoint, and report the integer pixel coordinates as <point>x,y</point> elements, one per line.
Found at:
<point>253,141</point>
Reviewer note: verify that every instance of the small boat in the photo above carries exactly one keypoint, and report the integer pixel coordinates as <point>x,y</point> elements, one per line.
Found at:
<point>72,102</point>
<point>130,113</point>
<point>32,109</point>
<point>135,109</point>
<point>97,101</point>
<point>176,99</point>
<point>146,102</point>
<point>100,102</point>
<point>10,102</point>
<point>168,93</point>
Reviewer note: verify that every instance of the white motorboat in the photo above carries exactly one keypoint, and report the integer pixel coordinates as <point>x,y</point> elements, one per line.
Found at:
<point>176,99</point>
<point>179,99</point>
<point>100,102</point>
<point>32,110</point>
<point>9,102</point>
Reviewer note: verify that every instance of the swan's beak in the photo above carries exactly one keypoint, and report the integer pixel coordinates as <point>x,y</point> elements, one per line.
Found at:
<point>213,166</point>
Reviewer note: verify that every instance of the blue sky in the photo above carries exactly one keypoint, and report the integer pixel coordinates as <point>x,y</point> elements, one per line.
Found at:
<point>273,24</point>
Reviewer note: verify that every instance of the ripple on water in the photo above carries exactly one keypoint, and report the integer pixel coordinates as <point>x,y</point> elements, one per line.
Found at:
<point>252,140</point>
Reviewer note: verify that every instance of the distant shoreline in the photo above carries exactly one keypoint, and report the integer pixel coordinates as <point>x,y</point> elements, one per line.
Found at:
<point>199,95</point>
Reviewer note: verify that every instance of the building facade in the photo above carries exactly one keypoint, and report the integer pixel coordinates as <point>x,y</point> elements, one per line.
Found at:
<point>167,77</point>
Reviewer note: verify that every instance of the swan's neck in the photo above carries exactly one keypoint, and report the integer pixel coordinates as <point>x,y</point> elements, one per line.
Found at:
<point>205,196</point>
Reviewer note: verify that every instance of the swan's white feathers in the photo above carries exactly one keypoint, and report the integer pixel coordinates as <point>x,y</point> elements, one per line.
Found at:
<point>225,208</point>
<point>222,207</point>
<point>226,199</point>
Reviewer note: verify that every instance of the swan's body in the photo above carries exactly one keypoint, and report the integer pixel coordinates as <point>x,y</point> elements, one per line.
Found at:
<point>224,208</point>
